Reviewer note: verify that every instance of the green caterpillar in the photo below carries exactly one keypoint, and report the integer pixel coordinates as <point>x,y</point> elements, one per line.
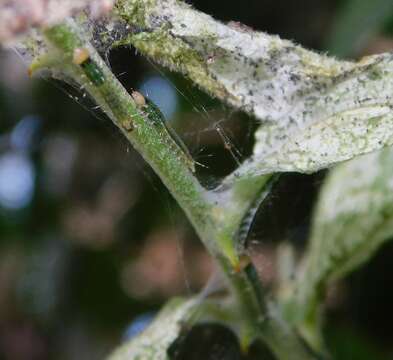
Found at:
<point>82,58</point>
<point>155,115</point>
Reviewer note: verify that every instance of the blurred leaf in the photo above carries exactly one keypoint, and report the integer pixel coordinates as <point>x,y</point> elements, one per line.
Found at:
<point>169,324</point>
<point>354,217</point>
<point>356,23</point>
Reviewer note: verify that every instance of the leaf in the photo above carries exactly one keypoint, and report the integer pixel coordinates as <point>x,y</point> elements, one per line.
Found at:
<point>356,23</point>
<point>350,116</point>
<point>152,344</point>
<point>154,341</point>
<point>354,217</point>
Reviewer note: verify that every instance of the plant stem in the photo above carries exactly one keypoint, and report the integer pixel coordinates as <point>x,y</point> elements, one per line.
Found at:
<point>206,210</point>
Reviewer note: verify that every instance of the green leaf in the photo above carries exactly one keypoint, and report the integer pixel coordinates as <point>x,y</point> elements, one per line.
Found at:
<point>356,23</point>
<point>178,314</point>
<point>354,217</point>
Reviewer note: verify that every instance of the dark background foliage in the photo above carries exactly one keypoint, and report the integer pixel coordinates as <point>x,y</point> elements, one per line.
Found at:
<point>91,243</point>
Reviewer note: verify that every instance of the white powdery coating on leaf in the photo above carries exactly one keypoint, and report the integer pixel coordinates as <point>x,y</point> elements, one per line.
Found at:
<point>354,217</point>
<point>357,175</point>
<point>264,75</point>
<point>353,116</point>
<point>155,340</point>
<point>333,140</point>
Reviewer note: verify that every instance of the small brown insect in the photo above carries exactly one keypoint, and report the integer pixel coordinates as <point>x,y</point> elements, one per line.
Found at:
<point>138,98</point>
<point>128,125</point>
<point>80,56</point>
<point>154,114</point>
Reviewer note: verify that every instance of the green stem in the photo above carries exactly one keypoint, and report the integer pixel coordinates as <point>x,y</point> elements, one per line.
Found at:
<point>158,149</point>
<point>215,222</point>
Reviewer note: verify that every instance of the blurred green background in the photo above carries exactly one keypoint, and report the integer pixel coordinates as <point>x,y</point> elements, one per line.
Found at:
<point>91,243</point>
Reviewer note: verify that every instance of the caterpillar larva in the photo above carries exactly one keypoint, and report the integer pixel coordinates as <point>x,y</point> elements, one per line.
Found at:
<point>81,57</point>
<point>155,115</point>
